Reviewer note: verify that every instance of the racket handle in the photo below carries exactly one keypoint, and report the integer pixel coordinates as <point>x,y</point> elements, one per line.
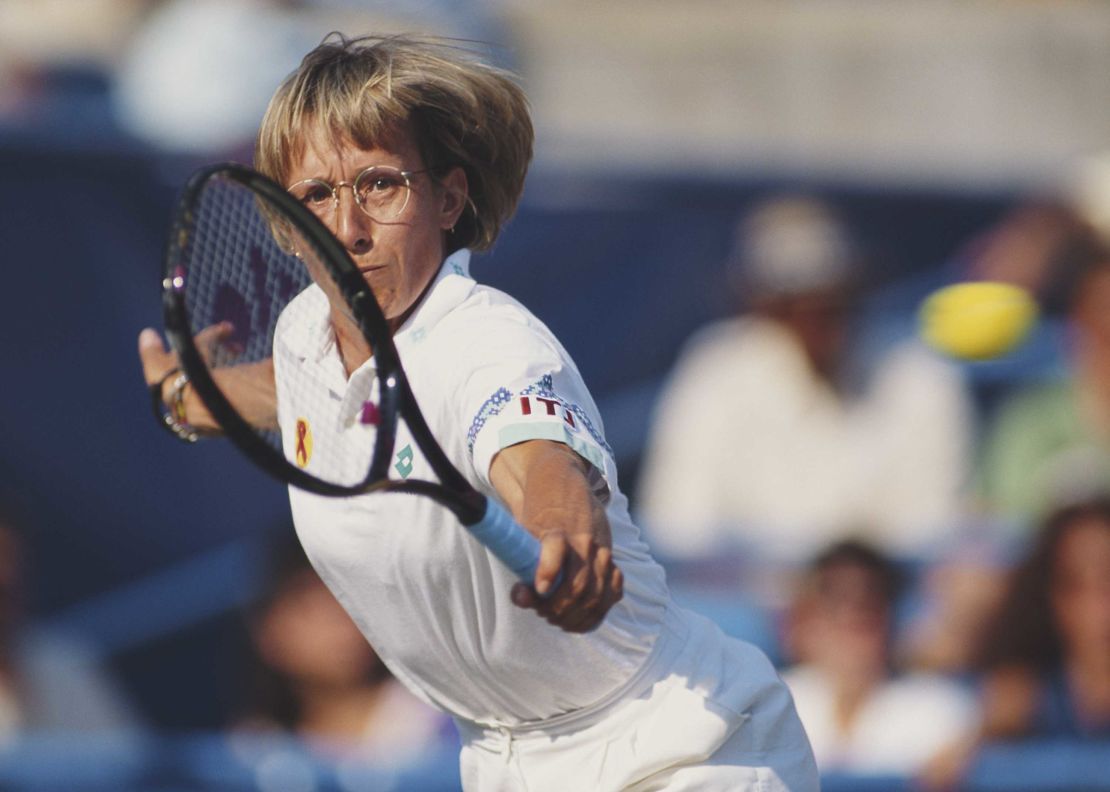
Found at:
<point>517,549</point>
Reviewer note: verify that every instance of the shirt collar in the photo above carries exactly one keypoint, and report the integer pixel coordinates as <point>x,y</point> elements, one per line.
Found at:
<point>314,338</point>
<point>451,285</point>
<point>307,323</point>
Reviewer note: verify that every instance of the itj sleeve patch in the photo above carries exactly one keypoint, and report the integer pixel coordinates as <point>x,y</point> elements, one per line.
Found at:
<point>538,413</point>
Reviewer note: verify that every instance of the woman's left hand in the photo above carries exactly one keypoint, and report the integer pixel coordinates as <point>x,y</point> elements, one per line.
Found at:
<point>591,582</point>
<point>546,486</point>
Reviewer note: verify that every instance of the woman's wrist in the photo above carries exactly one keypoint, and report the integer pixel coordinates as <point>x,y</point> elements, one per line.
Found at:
<point>170,407</point>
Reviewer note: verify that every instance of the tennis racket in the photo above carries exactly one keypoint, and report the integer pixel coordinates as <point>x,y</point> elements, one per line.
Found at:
<point>244,254</point>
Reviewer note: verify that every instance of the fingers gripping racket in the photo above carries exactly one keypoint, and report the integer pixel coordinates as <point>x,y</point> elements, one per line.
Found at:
<point>244,255</point>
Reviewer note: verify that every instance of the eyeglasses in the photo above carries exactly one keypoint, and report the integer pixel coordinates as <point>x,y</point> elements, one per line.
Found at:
<point>381,192</point>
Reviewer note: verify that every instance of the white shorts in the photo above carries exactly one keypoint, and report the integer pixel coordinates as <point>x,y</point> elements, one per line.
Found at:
<point>707,712</point>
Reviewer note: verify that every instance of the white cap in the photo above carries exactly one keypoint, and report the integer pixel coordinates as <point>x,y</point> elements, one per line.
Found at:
<point>790,245</point>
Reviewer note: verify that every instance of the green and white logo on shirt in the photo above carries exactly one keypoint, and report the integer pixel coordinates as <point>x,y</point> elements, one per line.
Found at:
<point>403,464</point>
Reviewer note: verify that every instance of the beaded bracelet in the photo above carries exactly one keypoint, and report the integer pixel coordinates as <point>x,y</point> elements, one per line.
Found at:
<point>173,420</point>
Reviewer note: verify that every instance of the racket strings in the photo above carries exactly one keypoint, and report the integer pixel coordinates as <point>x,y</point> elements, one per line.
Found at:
<point>244,272</point>
<point>251,287</point>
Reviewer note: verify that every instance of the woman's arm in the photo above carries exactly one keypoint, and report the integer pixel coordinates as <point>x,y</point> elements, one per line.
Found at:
<point>546,487</point>
<point>249,387</point>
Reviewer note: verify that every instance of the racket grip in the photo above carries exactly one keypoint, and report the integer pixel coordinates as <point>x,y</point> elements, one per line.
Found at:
<point>511,543</point>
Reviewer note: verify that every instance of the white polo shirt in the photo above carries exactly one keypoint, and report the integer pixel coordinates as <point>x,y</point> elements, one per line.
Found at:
<point>431,599</point>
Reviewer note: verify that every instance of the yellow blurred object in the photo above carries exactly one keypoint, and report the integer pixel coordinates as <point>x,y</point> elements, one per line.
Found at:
<point>978,320</point>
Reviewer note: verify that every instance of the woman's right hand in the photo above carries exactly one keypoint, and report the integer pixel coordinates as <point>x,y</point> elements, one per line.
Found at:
<point>161,365</point>
<point>249,386</point>
<point>157,361</point>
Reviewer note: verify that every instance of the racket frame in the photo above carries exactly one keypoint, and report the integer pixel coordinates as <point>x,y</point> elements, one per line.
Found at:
<point>395,397</point>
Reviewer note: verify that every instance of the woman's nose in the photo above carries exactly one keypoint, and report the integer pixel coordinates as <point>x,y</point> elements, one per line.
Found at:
<point>353,227</point>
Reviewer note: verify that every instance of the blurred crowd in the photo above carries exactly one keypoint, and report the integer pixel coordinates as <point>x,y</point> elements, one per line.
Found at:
<point>936,562</point>
<point>186,76</point>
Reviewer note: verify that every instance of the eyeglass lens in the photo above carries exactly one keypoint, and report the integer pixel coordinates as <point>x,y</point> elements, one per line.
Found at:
<point>381,192</point>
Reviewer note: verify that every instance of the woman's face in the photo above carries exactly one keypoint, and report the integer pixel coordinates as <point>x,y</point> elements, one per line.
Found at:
<point>399,257</point>
<point>1081,587</point>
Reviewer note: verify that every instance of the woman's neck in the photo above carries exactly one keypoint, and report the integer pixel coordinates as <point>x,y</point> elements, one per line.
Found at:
<point>352,345</point>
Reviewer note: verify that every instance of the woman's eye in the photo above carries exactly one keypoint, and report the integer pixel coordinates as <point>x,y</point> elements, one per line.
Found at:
<point>377,183</point>
<point>317,195</point>
<point>383,183</point>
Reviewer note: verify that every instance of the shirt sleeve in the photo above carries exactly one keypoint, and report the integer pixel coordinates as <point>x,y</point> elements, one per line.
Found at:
<point>523,386</point>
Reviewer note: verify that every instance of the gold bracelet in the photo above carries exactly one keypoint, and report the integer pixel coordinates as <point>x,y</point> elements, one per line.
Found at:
<point>175,418</point>
<point>177,397</point>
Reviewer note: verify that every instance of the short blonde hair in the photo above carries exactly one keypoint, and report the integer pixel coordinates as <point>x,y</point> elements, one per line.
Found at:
<point>463,113</point>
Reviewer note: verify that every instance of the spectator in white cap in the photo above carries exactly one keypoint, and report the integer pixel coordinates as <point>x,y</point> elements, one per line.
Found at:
<point>762,442</point>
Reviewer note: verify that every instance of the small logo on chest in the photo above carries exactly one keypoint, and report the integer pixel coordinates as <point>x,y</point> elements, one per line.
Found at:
<point>403,462</point>
<point>303,451</point>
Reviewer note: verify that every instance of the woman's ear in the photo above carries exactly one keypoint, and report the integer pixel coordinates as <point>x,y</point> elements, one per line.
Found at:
<point>455,197</point>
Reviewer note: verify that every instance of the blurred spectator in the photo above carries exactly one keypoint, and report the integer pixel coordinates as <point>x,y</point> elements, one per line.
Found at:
<point>773,434</point>
<point>955,596</point>
<point>1049,442</point>
<point>1030,247</point>
<point>861,714</point>
<point>54,53</point>
<point>1046,657</point>
<point>197,76</point>
<point>1044,660</point>
<point>316,677</point>
<point>1038,244</point>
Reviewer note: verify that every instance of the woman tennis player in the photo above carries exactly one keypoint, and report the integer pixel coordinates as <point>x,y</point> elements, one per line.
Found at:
<point>599,682</point>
